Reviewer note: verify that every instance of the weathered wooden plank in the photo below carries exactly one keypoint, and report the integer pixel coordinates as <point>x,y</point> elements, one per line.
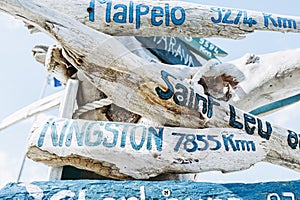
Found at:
<point>142,190</point>
<point>254,80</point>
<point>121,75</point>
<point>170,50</point>
<point>149,151</point>
<point>203,47</point>
<point>159,93</point>
<point>73,40</point>
<point>157,18</point>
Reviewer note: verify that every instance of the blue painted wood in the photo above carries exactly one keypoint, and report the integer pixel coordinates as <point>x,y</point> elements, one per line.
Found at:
<point>203,47</point>
<point>183,190</point>
<point>276,105</point>
<point>170,50</point>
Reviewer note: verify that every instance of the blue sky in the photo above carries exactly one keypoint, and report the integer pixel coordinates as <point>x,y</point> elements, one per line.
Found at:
<point>22,80</point>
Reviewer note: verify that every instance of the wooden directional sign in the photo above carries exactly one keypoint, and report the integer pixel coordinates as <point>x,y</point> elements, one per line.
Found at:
<point>169,18</point>
<point>143,190</point>
<point>203,47</point>
<point>121,150</point>
<point>170,50</point>
<point>253,92</point>
<point>161,92</point>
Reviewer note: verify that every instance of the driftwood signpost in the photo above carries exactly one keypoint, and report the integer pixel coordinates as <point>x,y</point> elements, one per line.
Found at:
<point>143,190</point>
<point>197,115</point>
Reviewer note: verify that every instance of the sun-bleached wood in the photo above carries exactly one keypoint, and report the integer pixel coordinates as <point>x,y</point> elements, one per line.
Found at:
<point>198,19</point>
<point>121,75</point>
<point>149,151</point>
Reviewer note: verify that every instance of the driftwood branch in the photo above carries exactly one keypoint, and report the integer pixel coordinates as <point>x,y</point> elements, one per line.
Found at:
<point>153,90</point>
<point>244,92</point>
<point>149,151</point>
<point>170,18</point>
<point>249,82</point>
<point>253,80</point>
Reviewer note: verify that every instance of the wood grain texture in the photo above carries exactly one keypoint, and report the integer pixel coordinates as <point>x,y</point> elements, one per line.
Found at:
<point>200,20</point>
<point>161,92</point>
<point>149,151</point>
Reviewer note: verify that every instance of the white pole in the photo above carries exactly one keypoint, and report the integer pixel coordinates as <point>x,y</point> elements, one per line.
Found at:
<point>65,111</point>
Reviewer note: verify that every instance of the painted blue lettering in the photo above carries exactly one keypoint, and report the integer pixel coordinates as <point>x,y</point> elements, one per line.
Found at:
<point>170,91</point>
<point>268,17</point>
<point>261,132</point>
<point>204,105</point>
<point>228,142</point>
<point>226,18</point>
<point>120,17</point>
<point>115,133</point>
<point>202,139</point>
<point>219,19</point>
<point>133,132</point>
<point>243,144</point>
<point>180,98</point>
<point>131,12</point>
<point>250,21</point>
<point>173,15</point>
<point>124,133</point>
<point>139,13</point>
<point>167,11</point>
<point>157,12</point>
<point>62,133</point>
<point>43,133</point>
<point>251,120</point>
<point>158,138</point>
<point>97,133</point>
<point>108,12</point>
<point>232,122</point>
<point>293,139</point>
<point>238,17</point>
<point>54,136</point>
<point>191,99</point>
<point>211,102</point>
<point>79,134</point>
<point>218,143</point>
<point>286,23</point>
<point>91,11</point>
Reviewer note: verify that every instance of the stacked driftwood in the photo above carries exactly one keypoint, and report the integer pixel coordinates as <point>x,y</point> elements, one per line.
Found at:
<point>140,88</point>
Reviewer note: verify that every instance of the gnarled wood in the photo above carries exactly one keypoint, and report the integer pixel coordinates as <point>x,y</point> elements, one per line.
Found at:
<point>149,151</point>
<point>160,92</point>
<point>173,18</point>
